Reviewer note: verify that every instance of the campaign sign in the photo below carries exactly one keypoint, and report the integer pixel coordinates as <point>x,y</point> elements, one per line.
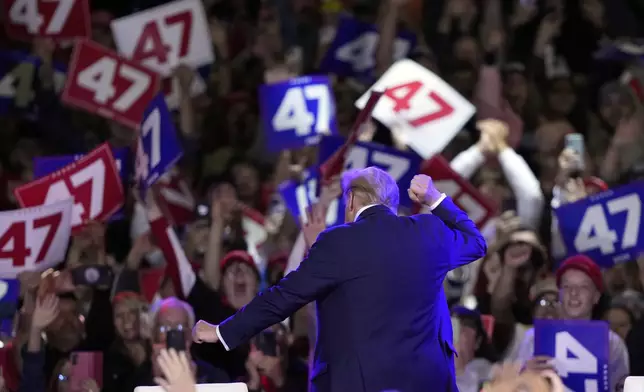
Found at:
<point>103,83</point>
<point>400,165</point>
<point>605,226</point>
<point>164,37</point>
<point>580,351</point>
<point>426,111</point>
<point>46,165</point>
<point>299,197</point>
<point>60,19</point>
<point>463,194</point>
<point>175,198</point>
<point>18,75</point>
<point>297,112</point>
<point>92,182</point>
<point>34,239</point>
<point>353,51</point>
<point>158,147</point>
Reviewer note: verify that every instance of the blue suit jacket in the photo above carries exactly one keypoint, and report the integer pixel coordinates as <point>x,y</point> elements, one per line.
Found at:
<point>383,321</point>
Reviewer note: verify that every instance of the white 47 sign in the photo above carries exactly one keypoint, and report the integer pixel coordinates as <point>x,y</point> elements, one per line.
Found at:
<point>598,225</point>
<point>166,36</point>
<point>33,238</point>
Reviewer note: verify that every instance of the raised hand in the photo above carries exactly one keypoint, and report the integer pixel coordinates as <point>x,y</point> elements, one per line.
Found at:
<point>177,372</point>
<point>204,332</point>
<point>315,224</point>
<point>45,312</point>
<point>422,190</point>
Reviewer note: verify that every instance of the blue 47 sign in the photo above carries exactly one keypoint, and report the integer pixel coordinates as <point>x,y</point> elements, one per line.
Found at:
<point>580,351</point>
<point>353,51</point>
<point>299,197</point>
<point>402,166</point>
<point>297,112</point>
<point>158,147</point>
<point>606,226</point>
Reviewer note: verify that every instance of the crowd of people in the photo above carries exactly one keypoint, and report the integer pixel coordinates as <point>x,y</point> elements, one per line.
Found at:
<point>536,71</point>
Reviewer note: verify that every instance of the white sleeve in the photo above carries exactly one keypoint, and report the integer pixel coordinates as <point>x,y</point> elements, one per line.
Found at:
<point>525,186</point>
<point>468,162</point>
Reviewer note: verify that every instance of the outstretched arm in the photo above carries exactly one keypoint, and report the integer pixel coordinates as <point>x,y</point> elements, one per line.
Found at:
<point>320,272</point>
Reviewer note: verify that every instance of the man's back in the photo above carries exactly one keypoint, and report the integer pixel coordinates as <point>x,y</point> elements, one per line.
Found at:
<point>390,316</point>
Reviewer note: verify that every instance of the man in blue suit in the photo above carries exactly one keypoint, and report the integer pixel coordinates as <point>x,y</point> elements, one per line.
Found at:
<point>383,322</point>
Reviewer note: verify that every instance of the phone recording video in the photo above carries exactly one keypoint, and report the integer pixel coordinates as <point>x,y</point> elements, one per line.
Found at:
<point>176,339</point>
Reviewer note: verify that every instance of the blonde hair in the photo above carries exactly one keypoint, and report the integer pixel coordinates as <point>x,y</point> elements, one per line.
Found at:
<point>373,185</point>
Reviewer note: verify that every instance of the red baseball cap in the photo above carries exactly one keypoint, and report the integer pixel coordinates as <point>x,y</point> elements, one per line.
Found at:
<point>584,264</point>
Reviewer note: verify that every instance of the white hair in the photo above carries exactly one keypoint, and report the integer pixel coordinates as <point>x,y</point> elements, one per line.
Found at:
<point>174,302</point>
<point>373,184</point>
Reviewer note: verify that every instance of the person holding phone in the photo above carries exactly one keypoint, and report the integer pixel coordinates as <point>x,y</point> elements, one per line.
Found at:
<point>172,321</point>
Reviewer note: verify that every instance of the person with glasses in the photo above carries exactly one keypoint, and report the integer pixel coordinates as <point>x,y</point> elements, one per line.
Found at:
<point>171,322</point>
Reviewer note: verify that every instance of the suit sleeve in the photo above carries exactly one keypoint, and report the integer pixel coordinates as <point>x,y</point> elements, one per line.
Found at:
<point>322,270</point>
<point>461,232</point>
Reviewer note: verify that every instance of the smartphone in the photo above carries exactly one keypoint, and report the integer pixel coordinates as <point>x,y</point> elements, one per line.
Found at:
<point>176,339</point>
<point>575,142</point>
<point>85,365</point>
<point>266,342</point>
<point>92,275</point>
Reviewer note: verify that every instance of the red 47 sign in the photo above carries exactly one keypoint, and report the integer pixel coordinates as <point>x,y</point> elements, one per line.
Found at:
<point>166,36</point>
<point>92,182</point>
<point>102,82</point>
<point>58,19</point>
<point>426,112</point>
<point>464,194</point>
<point>34,238</point>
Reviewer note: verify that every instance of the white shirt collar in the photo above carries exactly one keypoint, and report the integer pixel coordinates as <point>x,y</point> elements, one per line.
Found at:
<point>360,211</point>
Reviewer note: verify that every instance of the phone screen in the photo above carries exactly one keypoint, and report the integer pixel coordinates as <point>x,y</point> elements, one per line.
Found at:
<point>175,339</point>
<point>575,142</point>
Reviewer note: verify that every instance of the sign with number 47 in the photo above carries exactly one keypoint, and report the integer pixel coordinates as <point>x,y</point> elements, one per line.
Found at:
<point>92,182</point>
<point>606,226</point>
<point>34,238</point>
<point>427,111</point>
<point>104,83</point>
<point>57,19</point>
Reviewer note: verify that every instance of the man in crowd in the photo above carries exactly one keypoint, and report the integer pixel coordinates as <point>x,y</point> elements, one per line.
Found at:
<point>580,284</point>
<point>382,324</point>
